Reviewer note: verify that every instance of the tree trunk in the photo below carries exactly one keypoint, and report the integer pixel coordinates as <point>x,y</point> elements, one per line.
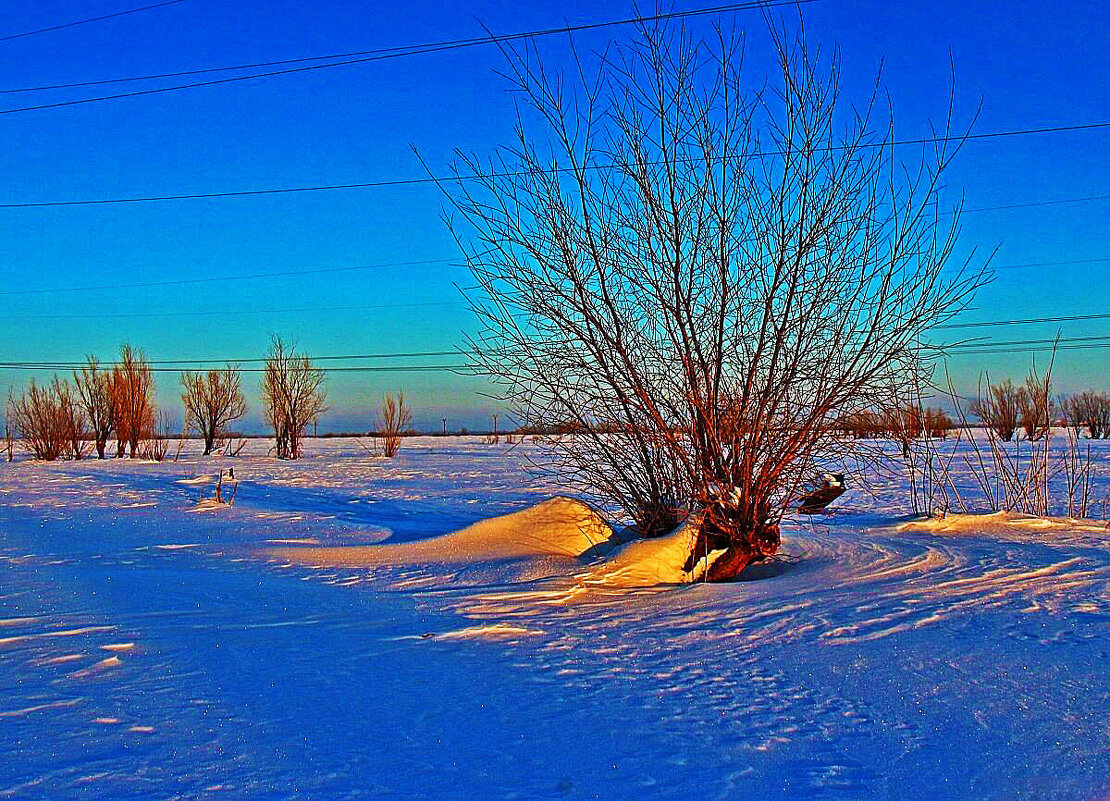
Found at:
<point>742,544</point>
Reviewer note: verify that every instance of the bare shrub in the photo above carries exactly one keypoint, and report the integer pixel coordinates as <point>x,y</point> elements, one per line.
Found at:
<point>1000,410</point>
<point>1098,415</point>
<point>1087,409</point>
<point>293,396</point>
<point>132,390</point>
<point>158,433</point>
<point>903,424</point>
<point>181,439</point>
<point>72,416</point>
<point>1012,478</point>
<point>396,421</point>
<point>1037,407</point>
<point>9,434</point>
<point>864,424</point>
<point>1073,412</point>
<point>212,400</point>
<point>937,423</point>
<point>704,277</point>
<point>50,425</point>
<point>94,392</point>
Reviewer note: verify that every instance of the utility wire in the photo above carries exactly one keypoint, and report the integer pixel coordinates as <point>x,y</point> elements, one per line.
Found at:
<point>423,181</point>
<point>64,365</point>
<point>401,52</point>
<point>1032,349</point>
<point>1027,321</point>
<point>1049,263</point>
<point>1008,206</point>
<point>989,345</point>
<point>235,313</point>
<point>88,20</point>
<point>229,277</point>
<point>356,268</point>
<point>214,363</point>
<point>459,369</point>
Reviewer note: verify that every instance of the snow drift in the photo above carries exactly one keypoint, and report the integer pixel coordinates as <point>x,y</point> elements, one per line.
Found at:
<point>559,527</point>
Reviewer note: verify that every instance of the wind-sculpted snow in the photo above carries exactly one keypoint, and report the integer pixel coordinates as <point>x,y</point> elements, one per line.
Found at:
<point>156,645</point>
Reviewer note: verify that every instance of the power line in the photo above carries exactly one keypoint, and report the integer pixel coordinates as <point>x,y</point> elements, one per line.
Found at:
<point>101,18</point>
<point>235,312</point>
<point>227,277</point>
<point>426,180</point>
<point>1032,349</point>
<point>219,363</point>
<point>362,267</point>
<point>415,49</point>
<point>1049,263</point>
<point>987,345</point>
<point>1027,321</point>
<point>1039,203</point>
<point>412,50</point>
<point>66,365</point>
<point>458,369</point>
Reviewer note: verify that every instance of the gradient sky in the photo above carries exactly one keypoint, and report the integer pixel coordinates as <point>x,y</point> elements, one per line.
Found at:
<point>1033,64</point>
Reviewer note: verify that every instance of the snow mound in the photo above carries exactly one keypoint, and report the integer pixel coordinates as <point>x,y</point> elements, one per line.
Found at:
<point>539,540</point>
<point>646,563</point>
<point>556,527</point>
<point>1002,525</point>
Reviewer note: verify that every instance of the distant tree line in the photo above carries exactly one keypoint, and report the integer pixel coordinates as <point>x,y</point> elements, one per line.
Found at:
<point>68,419</point>
<point>60,419</point>
<point>1030,409</point>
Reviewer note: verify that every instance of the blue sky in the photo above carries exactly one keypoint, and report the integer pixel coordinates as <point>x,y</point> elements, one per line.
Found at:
<point>1032,64</point>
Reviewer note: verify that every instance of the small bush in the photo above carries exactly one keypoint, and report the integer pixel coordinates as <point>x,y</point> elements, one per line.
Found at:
<point>49,423</point>
<point>396,421</point>
<point>1001,409</point>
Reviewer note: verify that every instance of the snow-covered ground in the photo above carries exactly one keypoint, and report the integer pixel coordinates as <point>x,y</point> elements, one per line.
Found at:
<point>154,646</point>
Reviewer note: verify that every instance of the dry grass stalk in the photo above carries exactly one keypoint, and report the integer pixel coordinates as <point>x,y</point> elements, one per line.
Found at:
<point>1019,479</point>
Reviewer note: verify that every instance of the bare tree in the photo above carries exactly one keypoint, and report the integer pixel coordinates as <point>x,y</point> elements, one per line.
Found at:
<point>72,416</point>
<point>212,400</point>
<point>293,395</point>
<point>1087,409</point>
<point>157,433</point>
<point>937,423</point>
<point>1000,409</point>
<point>1098,414</point>
<point>132,390</point>
<point>864,424</point>
<point>903,424</point>
<point>1038,408</point>
<point>702,275</point>
<point>9,433</point>
<point>50,424</point>
<point>396,420</point>
<point>94,392</point>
